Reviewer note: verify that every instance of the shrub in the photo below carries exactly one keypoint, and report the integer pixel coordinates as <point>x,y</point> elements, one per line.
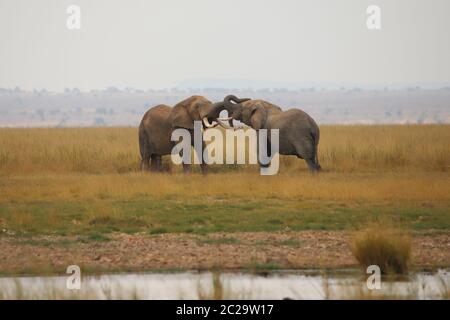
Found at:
<point>387,248</point>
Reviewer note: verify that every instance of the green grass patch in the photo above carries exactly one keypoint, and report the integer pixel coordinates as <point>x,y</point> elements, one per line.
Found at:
<point>98,237</point>
<point>101,217</point>
<point>158,230</point>
<point>225,240</point>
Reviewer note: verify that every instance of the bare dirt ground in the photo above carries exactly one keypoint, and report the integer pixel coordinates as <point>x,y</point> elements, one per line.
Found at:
<point>246,250</point>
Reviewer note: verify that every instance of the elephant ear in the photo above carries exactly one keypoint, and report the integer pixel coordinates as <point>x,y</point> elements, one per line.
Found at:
<point>258,117</point>
<point>193,109</point>
<point>181,118</point>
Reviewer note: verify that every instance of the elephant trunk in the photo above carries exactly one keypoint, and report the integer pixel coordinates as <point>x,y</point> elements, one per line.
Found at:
<point>232,105</point>
<point>227,100</point>
<point>226,104</point>
<point>213,115</point>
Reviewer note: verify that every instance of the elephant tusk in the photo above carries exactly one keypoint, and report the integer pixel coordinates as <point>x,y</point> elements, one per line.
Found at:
<point>207,124</point>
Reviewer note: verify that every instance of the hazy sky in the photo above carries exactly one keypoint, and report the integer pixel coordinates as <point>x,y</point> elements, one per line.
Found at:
<point>161,43</point>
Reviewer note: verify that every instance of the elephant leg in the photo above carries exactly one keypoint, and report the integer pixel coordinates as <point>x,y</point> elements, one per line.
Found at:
<point>154,162</point>
<point>311,162</point>
<point>145,159</point>
<point>203,165</point>
<point>145,162</point>
<point>186,167</point>
<point>307,153</point>
<point>158,163</point>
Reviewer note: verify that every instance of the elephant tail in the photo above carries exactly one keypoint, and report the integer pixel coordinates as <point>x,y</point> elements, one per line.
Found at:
<point>315,137</point>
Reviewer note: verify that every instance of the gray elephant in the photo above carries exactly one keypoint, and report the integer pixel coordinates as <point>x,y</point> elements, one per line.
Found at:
<point>158,123</point>
<point>298,132</point>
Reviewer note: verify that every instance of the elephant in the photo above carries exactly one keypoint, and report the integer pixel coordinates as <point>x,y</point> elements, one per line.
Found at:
<point>158,123</point>
<point>298,132</point>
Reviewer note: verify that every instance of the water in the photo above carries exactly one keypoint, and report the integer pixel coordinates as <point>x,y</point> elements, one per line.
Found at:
<point>193,285</point>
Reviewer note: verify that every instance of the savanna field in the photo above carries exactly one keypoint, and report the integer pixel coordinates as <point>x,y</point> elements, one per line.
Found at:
<point>80,190</point>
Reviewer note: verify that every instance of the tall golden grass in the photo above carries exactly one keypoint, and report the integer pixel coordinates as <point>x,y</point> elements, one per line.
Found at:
<point>373,163</point>
<point>393,188</point>
<point>115,150</point>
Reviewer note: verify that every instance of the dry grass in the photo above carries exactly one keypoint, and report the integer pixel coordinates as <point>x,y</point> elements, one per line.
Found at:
<point>91,150</point>
<point>115,150</point>
<point>380,244</point>
<point>396,187</point>
<point>87,178</point>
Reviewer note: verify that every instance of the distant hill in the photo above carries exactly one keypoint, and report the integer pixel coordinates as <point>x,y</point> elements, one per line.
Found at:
<point>116,107</point>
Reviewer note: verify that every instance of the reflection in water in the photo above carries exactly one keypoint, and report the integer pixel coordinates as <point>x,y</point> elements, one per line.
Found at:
<point>191,285</point>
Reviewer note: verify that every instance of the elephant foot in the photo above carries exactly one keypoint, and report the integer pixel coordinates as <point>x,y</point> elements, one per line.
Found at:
<point>144,168</point>
<point>264,165</point>
<point>313,166</point>
<point>187,168</point>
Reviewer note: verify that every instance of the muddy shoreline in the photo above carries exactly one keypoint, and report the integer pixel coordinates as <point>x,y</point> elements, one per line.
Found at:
<point>249,251</point>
